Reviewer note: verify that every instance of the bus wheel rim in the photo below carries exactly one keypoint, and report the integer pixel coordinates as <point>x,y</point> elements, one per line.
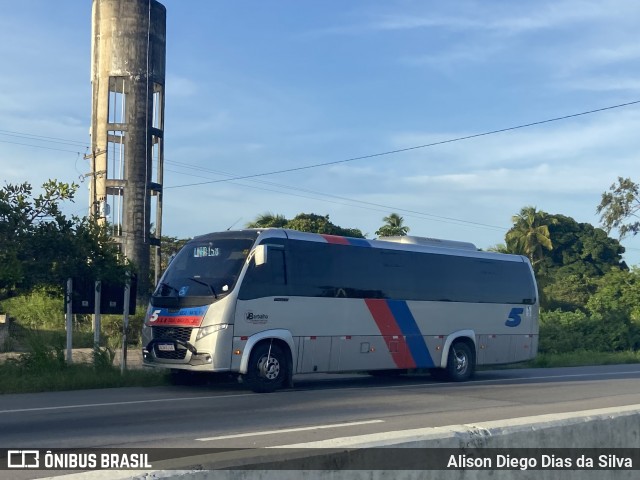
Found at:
<point>269,368</point>
<point>461,361</point>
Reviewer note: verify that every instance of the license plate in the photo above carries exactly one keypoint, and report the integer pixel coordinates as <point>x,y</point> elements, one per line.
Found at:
<point>166,347</point>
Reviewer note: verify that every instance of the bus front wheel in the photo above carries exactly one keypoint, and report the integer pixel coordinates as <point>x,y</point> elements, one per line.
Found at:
<point>460,363</point>
<point>267,368</point>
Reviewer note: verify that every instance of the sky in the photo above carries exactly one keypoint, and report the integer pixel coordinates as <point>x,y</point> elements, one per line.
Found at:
<point>258,86</point>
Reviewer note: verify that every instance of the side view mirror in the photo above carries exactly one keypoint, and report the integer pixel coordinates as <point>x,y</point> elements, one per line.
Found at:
<point>260,255</point>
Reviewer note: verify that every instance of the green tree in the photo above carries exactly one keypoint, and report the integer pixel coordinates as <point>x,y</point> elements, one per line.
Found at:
<point>39,245</point>
<point>581,248</point>
<point>565,290</point>
<point>620,206</point>
<point>499,248</point>
<point>568,274</point>
<point>304,222</point>
<point>393,227</point>
<point>530,234</point>
<point>310,222</point>
<point>618,293</point>
<point>268,219</point>
<point>23,217</point>
<point>616,304</point>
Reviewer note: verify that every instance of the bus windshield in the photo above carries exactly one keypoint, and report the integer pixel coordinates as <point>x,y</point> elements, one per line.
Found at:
<point>202,272</point>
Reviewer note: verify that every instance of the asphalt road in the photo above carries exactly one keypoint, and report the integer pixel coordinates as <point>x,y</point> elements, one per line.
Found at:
<point>224,414</point>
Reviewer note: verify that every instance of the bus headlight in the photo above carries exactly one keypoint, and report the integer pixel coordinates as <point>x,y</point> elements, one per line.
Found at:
<point>211,329</point>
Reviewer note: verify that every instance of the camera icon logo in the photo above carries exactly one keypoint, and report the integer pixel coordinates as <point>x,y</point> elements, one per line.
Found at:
<point>23,459</point>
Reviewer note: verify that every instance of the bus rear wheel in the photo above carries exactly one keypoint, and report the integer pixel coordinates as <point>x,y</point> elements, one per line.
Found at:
<point>267,368</point>
<point>461,362</point>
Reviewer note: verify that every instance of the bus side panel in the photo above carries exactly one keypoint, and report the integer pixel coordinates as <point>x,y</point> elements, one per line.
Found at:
<point>494,349</point>
<point>521,348</point>
<point>331,334</point>
<point>360,352</point>
<point>535,338</point>
<point>435,344</point>
<point>316,354</point>
<point>501,349</point>
<point>342,334</point>
<point>500,338</point>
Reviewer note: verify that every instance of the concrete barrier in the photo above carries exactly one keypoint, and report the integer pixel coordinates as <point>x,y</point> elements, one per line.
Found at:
<point>610,428</point>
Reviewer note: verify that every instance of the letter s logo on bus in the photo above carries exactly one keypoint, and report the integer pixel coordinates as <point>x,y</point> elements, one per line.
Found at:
<point>515,317</point>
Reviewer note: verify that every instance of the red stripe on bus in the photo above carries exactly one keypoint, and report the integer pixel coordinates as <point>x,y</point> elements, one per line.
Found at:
<point>389,329</point>
<point>335,239</point>
<point>179,321</point>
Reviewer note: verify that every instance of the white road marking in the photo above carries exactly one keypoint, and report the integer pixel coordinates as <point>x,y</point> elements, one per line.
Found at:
<point>132,402</point>
<point>503,380</point>
<point>288,430</point>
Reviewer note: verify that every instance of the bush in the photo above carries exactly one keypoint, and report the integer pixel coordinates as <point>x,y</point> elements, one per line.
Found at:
<point>112,329</point>
<point>562,332</point>
<point>103,358</point>
<point>45,353</point>
<point>43,308</point>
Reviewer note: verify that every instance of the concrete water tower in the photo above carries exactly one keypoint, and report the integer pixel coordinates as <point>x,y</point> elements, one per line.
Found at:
<point>127,126</point>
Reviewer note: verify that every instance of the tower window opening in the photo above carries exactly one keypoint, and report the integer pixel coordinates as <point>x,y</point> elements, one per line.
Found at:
<point>118,87</point>
<point>158,104</point>
<point>115,154</point>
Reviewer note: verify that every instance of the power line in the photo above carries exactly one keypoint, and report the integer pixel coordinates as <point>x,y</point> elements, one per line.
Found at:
<point>402,150</point>
<point>367,205</point>
<point>232,178</point>
<point>317,165</point>
<point>378,207</point>
<point>41,146</point>
<point>30,136</point>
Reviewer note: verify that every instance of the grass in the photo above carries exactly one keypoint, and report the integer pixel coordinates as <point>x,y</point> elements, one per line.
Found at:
<point>15,379</point>
<point>44,368</point>
<point>580,358</point>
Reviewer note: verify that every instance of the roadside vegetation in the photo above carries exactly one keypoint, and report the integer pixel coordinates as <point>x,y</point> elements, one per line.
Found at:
<point>44,370</point>
<point>589,297</point>
<point>581,358</point>
<point>35,353</point>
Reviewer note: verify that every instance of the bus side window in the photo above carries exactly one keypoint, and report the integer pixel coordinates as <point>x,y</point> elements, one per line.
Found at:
<point>266,280</point>
<point>275,273</point>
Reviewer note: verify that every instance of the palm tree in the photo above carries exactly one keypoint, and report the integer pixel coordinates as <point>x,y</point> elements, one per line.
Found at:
<point>393,227</point>
<point>499,248</point>
<point>530,233</point>
<point>268,219</point>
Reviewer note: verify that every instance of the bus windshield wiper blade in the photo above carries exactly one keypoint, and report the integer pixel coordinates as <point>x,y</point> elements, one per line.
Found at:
<point>194,279</point>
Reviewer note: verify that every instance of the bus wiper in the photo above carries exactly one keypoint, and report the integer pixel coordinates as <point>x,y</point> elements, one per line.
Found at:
<point>194,279</point>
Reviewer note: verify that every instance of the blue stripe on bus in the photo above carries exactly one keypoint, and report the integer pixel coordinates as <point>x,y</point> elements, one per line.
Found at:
<point>415,340</point>
<point>358,242</point>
